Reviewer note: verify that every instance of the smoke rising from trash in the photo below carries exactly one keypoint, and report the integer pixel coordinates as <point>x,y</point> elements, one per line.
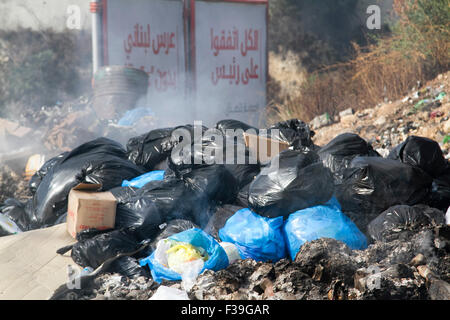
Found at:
<point>165,180</point>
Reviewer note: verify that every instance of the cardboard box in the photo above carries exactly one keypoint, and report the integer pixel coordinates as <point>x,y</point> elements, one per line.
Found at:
<point>255,145</point>
<point>88,209</point>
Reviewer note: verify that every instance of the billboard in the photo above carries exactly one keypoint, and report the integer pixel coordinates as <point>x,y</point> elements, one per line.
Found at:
<point>230,59</point>
<point>147,35</point>
<point>208,58</point>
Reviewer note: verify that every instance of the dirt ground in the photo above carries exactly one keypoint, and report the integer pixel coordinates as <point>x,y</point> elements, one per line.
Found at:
<point>389,124</point>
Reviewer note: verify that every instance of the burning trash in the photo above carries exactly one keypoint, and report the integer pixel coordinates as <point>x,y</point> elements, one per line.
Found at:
<point>180,164</point>
<point>302,195</point>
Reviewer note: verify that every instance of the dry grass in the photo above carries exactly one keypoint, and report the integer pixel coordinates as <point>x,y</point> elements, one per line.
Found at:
<point>385,70</point>
<point>287,71</point>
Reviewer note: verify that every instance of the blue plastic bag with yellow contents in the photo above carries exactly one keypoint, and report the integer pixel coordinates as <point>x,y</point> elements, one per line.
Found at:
<point>192,244</point>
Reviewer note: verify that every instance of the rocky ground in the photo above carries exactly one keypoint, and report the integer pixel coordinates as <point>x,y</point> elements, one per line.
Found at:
<point>416,265</point>
<point>423,112</point>
<point>12,185</point>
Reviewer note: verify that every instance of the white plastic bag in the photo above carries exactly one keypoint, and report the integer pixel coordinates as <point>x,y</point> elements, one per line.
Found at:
<point>231,251</point>
<point>191,271</point>
<point>168,293</point>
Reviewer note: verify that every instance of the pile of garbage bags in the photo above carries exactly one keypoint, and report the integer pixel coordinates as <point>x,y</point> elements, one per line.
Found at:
<point>298,181</point>
<point>101,161</point>
<point>175,216</point>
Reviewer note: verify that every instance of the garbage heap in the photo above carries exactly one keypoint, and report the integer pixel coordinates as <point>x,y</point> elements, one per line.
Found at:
<point>337,221</point>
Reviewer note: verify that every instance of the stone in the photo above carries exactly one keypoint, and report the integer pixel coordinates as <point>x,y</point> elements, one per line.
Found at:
<point>424,272</point>
<point>349,119</point>
<point>346,112</point>
<point>380,121</point>
<point>418,260</point>
<point>439,290</point>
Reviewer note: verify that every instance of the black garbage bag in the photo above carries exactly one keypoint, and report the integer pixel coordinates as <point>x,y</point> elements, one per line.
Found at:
<point>295,132</point>
<point>169,173</point>
<point>373,184</point>
<point>340,151</point>
<point>101,161</point>
<point>439,197</point>
<point>421,152</point>
<point>157,202</point>
<point>219,218</point>
<point>41,173</point>
<point>188,154</point>
<point>61,219</point>
<point>214,182</point>
<point>215,155</point>
<point>160,202</point>
<point>361,220</point>
<point>242,197</point>
<point>149,149</point>
<point>230,124</point>
<point>403,220</point>
<point>87,234</point>
<point>241,164</point>
<point>128,266</point>
<point>122,194</point>
<point>16,211</point>
<point>244,174</point>
<point>297,183</point>
<point>234,129</point>
<point>171,228</point>
<point>94,247</point>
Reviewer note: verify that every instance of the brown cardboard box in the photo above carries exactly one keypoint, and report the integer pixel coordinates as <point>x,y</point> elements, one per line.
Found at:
<point>88,208</point>
<point>255,142</point>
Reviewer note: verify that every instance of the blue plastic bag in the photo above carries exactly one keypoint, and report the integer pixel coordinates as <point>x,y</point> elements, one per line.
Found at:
<point>142,180</point>
<point>256,237</point>
<point>132,116</point>
<point>326,221</point>
<point>217,257</point>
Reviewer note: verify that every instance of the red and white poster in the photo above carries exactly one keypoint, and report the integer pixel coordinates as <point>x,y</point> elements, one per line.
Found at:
<point>222,71</point>
<point>230,59</point>
<point>148,35</point>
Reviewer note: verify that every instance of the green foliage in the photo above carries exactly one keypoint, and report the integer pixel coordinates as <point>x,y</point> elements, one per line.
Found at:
<point>424,27</point>
<point>415,49</point>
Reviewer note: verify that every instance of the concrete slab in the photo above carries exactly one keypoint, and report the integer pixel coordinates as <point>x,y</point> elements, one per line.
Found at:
<point>30,268</point>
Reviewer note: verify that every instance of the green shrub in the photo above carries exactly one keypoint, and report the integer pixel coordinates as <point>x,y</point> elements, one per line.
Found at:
<point>424,26</point>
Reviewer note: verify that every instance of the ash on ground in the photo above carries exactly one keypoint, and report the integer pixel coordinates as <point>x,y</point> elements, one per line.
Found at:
<point>13,185</point>
<point>415,265</point>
